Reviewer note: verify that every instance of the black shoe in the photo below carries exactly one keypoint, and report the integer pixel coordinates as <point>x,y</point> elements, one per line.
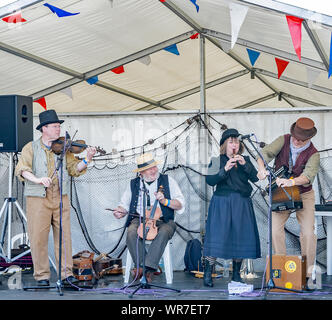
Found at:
<point>236,271</point>
<point>43,283</point>
<point>207,278</point>
<point>70,280</point>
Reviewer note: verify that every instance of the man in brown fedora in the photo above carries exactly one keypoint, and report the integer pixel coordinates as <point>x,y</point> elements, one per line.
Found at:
<point>296,152</point>
<point>37,168</point>
<point>131,204</point>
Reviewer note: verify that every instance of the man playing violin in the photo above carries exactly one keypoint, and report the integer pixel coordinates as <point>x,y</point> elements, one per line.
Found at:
<point>170,202</point>
<point>296,152</point>
<point>37,168</point>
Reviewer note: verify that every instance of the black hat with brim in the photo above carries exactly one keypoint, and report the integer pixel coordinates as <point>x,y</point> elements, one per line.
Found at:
<point>227,134</point>
<point>48,117</point>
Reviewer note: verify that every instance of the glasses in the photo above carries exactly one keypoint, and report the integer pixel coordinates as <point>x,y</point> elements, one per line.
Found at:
<point>53,126</point>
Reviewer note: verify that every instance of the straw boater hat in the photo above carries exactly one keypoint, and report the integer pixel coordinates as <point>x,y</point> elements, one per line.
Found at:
<point>145,161</point>
<point>303,129</point>
<point>48,117</point>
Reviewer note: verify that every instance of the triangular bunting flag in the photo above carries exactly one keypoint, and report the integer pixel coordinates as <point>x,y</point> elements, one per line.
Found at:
<point>312,75</point>
<point>330,66</point>
<point>92,80</point>
<point>59,12</point>
<point>295,29</point>
<point>238,14</point>
<point>281,65</point>
<point>172,49</point>
<point>145,60</point>
<point>42,102</point>
<point>14,18</point>
<point>68,92</point>
<point>194,36</point>
<point>118,70</point>
<point>195,4</point>
<point>253,56</point>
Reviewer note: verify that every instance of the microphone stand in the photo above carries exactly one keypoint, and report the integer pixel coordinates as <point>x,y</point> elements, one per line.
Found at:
<point>144,284</point>
<point>270,283</point>
<point>59,168</point>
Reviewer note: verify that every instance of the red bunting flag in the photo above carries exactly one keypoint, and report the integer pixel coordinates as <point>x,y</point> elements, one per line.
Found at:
<point>194,36</point>
<point>42,102</point>
<point>295,29</point>
<point>14,18</point>
<point>281,65</point>
<point>118,70</point>
<point>162,0</point>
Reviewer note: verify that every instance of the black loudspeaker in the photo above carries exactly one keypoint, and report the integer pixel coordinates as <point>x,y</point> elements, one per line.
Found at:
<point>16,122</point>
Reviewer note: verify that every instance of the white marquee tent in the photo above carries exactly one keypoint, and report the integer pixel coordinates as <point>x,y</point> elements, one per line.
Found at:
<point>46,54</point>
<point>54,58</point>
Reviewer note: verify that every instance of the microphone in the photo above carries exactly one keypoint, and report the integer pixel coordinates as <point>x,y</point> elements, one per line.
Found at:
<point>247,136</point>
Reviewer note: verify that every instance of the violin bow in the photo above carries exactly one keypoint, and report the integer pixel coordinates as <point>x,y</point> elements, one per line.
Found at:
<point>132,214</point>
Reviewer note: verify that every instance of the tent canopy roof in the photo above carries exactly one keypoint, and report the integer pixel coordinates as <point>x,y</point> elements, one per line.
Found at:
<point>52,57</point>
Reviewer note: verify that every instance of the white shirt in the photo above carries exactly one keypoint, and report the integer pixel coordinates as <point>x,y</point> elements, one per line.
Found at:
<point>175,194</point>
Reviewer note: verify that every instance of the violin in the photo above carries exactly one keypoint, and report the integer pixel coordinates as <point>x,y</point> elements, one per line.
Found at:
<point>151,216</point>
<point>76,146</point>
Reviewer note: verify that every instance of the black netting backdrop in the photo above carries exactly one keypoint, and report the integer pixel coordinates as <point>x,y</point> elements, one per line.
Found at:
<point>94,228</point>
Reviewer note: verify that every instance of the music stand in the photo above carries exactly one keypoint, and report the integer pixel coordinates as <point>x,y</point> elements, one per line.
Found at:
<point>59,168</point>
<point>144,284</point>
<point>7,208</point>
<point>270,284</point>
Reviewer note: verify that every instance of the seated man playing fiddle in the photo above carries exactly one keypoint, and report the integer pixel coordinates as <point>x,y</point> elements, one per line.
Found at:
<point>169,202</point>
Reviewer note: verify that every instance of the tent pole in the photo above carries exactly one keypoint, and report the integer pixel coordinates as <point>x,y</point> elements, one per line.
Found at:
<point>203,135</point>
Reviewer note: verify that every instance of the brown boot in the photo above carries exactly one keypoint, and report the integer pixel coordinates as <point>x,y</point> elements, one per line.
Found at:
<point>139,274</point>
<point>148,276</point>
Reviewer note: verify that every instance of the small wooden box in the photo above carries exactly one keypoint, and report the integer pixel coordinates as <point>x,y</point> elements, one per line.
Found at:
<point>287,272</point>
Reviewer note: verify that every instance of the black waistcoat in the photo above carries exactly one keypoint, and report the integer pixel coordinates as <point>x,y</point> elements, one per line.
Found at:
<point>168,213</point>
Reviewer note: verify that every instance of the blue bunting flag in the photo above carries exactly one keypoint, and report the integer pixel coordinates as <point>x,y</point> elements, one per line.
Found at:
<point>173,49</point>
<point>92,80</point>
<point>59,12</point>
<point>253,56</point>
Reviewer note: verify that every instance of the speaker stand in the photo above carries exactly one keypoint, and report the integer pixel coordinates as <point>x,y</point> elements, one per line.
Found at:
<point>7,209</point>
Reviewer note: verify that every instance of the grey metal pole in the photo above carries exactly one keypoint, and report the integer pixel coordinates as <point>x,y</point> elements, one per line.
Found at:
<point>203,134</point>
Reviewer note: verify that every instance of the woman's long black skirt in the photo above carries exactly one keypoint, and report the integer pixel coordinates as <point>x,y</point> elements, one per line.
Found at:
<point>231,228</point>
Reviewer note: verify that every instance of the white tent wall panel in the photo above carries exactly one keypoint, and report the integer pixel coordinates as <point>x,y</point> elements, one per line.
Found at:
<point>294,70</point>
<point>324,36</point>
<point>169,74</point>
<point>89,98</point>
<point>165,74</point>
<point>102,34</point>
<point>128,130</point>
<point>19,76</point>
<point>271,104</point>
<point>259,24</point>
<point>228,95</point>
<point>98,35</point>
<point>300,91</point>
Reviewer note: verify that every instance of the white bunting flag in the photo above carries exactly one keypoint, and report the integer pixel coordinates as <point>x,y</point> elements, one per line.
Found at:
<point>238,14</point>
<point>68,92</point>
<point>312,75</point>
<point>145,60</point>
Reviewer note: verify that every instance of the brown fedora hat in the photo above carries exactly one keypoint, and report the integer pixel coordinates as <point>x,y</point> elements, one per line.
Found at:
<point>303,129</point>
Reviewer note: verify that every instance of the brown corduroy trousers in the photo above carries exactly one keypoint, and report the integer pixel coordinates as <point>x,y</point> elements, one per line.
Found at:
<point>42,213</point>
<point>306,220</point>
